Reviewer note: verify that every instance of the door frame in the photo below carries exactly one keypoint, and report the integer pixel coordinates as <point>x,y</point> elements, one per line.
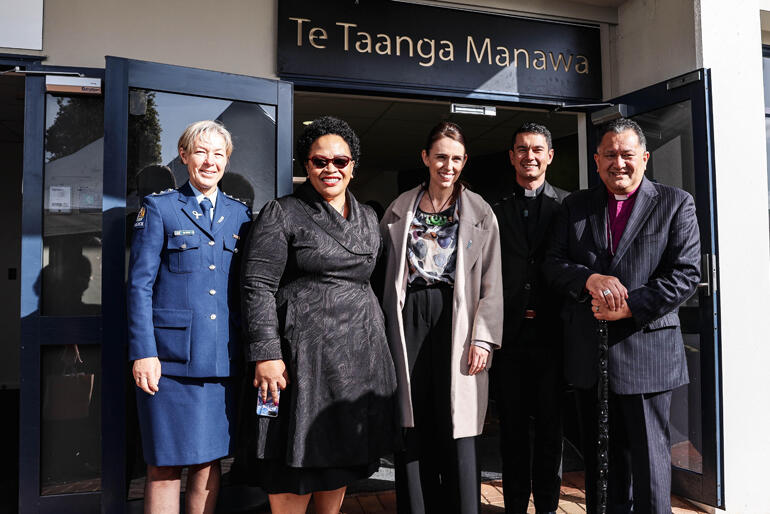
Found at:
<point>36,330</point>
<point>121,75</point>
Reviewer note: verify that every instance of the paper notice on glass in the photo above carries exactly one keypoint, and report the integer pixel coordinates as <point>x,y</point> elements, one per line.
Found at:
<point>60,199</point>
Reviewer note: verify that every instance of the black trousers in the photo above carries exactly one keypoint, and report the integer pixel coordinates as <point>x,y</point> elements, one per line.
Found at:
<point>640,451</point>
<point>527,383</point>
<point>435,473</point>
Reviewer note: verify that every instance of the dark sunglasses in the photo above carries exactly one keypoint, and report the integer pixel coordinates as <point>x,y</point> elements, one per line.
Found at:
<point>339,161</point>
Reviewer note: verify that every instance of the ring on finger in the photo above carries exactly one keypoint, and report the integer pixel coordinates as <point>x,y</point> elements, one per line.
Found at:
<point>596,308</point>
<point>606,292</point>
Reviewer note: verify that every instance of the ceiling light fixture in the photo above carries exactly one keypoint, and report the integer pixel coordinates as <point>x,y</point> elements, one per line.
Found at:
<point>480,110</point>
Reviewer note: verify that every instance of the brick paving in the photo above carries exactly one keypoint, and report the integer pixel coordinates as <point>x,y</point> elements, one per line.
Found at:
<point>572,500</point>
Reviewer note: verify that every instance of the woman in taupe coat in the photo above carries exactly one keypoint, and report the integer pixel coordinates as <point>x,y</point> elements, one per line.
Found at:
<point>443,305</point>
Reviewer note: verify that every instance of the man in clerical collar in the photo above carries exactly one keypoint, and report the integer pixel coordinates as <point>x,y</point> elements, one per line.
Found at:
<point>627,252</point>
<point>527,370</point>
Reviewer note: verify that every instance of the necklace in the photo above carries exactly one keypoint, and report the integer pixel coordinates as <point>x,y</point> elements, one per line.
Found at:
<point>433,204</point>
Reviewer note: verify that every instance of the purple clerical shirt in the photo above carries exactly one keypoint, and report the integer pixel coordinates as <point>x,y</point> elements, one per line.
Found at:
<point>619,210</point>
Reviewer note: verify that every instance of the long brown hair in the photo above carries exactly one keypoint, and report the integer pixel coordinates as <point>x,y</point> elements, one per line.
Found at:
<point>452,131</point>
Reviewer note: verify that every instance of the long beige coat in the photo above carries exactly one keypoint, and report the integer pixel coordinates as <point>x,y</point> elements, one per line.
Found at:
<point>477,312</point>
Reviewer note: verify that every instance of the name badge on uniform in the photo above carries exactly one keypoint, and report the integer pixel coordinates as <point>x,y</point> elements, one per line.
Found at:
<point>139,223</point>
<point>184,232</point>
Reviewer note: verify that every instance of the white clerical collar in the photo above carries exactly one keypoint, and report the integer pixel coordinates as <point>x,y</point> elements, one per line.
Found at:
<point>199,196</point>
<point>531,193</point>
<point>620,198</point>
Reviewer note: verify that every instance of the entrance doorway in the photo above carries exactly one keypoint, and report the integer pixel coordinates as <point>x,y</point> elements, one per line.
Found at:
<point>393,132</point>
<point>12,149</point>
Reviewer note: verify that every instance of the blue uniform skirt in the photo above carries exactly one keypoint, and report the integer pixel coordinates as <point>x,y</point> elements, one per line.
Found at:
<point>188,421</point>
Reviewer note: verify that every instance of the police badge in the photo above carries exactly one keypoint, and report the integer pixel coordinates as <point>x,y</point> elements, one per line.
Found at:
<point>139,223</point>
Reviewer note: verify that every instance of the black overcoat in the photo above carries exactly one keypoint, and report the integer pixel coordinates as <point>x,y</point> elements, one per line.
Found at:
<point>307,300</point>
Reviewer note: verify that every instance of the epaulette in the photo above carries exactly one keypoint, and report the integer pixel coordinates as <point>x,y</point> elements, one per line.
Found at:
<point>234,198</point>
<point>167,191</point>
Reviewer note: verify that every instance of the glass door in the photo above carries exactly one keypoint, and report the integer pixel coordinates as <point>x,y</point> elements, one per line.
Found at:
<point>61,291</point>
<point>147,106</point>
<point>676,118</point>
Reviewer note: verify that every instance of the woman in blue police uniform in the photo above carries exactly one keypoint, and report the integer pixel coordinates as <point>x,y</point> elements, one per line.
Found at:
<point>183,321</point>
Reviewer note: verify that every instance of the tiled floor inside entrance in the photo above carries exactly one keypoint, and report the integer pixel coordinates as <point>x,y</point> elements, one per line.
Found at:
<point>572,500</point>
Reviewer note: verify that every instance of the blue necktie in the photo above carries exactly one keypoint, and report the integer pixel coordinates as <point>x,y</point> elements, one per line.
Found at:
<point>207,208</point>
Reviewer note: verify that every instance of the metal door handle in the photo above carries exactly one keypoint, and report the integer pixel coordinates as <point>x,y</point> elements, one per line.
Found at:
<point>709,273</point>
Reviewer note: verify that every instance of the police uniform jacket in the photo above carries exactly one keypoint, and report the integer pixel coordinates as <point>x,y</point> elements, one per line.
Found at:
<point>183,304</point>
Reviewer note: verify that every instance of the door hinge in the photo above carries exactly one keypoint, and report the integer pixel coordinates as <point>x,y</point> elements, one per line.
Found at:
<point>608,114</point>
<point>691,77</point>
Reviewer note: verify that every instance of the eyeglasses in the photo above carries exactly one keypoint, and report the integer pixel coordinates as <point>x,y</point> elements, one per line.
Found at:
<point>339,161</point>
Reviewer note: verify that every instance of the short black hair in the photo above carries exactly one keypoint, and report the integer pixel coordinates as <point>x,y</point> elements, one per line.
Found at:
<point>324,126</point>
<point>619,126</point>
<point>533,128</point>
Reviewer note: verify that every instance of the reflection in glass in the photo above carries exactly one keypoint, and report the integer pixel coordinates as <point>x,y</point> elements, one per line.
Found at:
<point>72,215</point>
<point>766,80</point>
<point>670,143</point>
<point>157,119</point>
<point>70,428</point>
<point>767,148</point>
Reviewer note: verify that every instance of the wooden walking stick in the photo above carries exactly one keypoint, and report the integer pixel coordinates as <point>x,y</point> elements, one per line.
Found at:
<point>603,432</point>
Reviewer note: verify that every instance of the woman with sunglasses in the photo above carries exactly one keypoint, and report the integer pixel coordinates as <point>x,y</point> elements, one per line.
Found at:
<point>443,301</point>
<point>316,333</point>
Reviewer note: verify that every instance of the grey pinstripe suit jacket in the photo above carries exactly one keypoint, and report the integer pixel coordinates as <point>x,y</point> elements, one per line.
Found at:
<point>658,260</point>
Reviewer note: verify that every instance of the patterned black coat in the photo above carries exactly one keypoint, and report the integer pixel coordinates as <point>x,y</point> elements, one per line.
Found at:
<point>307,300</point>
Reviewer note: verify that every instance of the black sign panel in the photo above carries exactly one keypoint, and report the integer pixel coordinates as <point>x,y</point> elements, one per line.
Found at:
<point>397,46</point>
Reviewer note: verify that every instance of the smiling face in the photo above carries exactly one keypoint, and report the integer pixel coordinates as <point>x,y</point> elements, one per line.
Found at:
<point>445,161</point>
<point>206,161</point>
<point>530,157</point>
<point>330,181</point>
<point>621,161</point>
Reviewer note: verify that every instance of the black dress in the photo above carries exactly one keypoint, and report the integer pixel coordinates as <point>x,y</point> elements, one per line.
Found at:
<point>307,300</point>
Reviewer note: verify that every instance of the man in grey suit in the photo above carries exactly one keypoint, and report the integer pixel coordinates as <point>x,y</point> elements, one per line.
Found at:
<point>626,251</point>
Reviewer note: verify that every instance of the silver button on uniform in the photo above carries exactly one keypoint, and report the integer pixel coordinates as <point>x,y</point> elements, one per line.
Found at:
<point>211,243</point>
<point>213,316</point>
<point>212,267</point>
<point>212,292</point>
